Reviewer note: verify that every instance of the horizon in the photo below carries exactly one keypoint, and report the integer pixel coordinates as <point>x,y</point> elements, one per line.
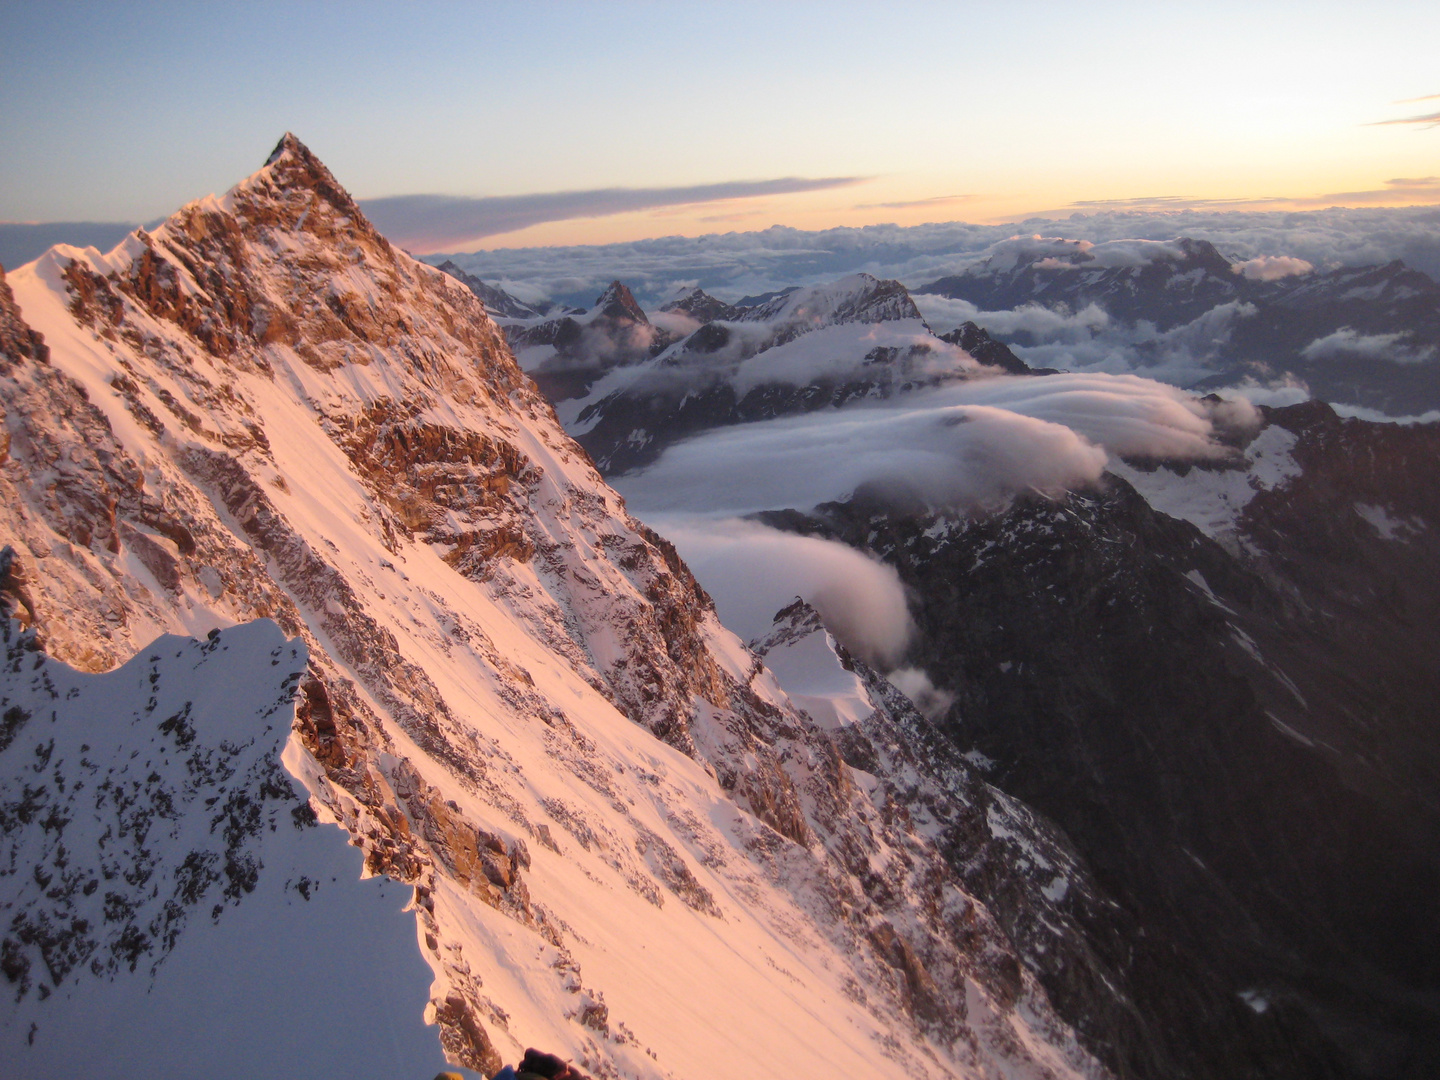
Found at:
<point>852,119</point>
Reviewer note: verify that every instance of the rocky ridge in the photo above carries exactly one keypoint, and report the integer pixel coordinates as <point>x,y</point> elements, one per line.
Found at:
<point>517,699</point>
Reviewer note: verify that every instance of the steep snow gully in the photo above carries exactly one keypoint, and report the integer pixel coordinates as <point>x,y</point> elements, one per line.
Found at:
<point>613,833</point>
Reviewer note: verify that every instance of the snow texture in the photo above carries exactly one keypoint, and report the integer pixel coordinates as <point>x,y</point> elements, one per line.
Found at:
<point>168,899</point>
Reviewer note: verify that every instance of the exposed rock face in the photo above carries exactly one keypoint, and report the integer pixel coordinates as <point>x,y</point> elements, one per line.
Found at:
<point>517,699</point>
<point>17,341</point>
<point>979,344</point>
<point>1234,731</point>
<point>1067,932</point>
<point>702,307</point>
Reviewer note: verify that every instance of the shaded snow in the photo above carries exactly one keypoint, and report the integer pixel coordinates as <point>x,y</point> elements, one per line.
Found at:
<point>307,940</point>
<point>1212,499</point>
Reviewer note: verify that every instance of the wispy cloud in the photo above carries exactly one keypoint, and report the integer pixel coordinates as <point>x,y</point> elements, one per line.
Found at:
<point>1421,189</point>
<point>912,203</point>
<point>1423,121</point>
<point>1416,189</point>
<point>1173,202</point>
<point>1426,120</point>
<point>427,223</point>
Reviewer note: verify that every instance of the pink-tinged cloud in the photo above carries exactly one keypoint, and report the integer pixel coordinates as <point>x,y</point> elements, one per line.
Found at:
<point>426,223</point>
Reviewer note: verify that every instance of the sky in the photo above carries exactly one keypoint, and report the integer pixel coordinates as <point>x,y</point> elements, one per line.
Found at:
<point>483,125</point>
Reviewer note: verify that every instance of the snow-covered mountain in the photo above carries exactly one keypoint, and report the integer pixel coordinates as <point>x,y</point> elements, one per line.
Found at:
<point>702,364</point>
<point>1368,335</point>
<point>625,843</point>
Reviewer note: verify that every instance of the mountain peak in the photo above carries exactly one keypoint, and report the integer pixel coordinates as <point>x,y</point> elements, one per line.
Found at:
<point>289,144</point>
<point>700,305</point>
<point>618,302</point>
<point>292,167</point>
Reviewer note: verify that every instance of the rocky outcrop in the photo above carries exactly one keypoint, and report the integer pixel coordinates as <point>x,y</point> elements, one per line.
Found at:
<point>976,341</point>
<point>702,307</point>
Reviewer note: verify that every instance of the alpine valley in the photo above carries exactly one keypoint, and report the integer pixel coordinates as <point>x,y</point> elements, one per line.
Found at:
<point>352,724</point>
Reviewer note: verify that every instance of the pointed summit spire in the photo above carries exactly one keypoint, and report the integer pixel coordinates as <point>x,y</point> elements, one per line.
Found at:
<point>619,303</point>
<point>290,170</point>
<point>288,142</point>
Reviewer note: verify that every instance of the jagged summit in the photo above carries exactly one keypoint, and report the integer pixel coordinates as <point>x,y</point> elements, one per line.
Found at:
<point>701,306</point>
<point>976,341</point>
<point>619,303</point>
<point>288,144</point>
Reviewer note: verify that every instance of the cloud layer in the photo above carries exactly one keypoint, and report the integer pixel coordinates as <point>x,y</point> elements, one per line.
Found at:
<point>961,446</point>
<point>428,223</point>
<point>1349,344</point>
<point>1089,340</point>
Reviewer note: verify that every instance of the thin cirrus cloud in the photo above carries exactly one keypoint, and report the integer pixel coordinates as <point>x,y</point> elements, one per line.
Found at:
<point>1172,202</point>
<point>1418,189</point>
<point>911,204</point>
<point>428,223</point>
<point>1425,120</point>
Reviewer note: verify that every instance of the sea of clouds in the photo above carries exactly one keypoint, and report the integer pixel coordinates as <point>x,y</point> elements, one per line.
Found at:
<point>734,265</point>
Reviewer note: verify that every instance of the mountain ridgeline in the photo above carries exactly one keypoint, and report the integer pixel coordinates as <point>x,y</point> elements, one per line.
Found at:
<point>620,838</point>
<point>1367,335</point>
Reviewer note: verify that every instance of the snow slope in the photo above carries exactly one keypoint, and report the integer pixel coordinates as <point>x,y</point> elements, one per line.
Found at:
<point>625,844</point>
<point>173,860</point>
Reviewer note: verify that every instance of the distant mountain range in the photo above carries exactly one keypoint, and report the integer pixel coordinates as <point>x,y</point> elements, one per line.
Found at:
<point>1362,335</point>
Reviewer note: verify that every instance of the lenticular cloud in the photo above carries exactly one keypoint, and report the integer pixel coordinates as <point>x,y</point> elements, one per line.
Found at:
<point>958,447</point>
